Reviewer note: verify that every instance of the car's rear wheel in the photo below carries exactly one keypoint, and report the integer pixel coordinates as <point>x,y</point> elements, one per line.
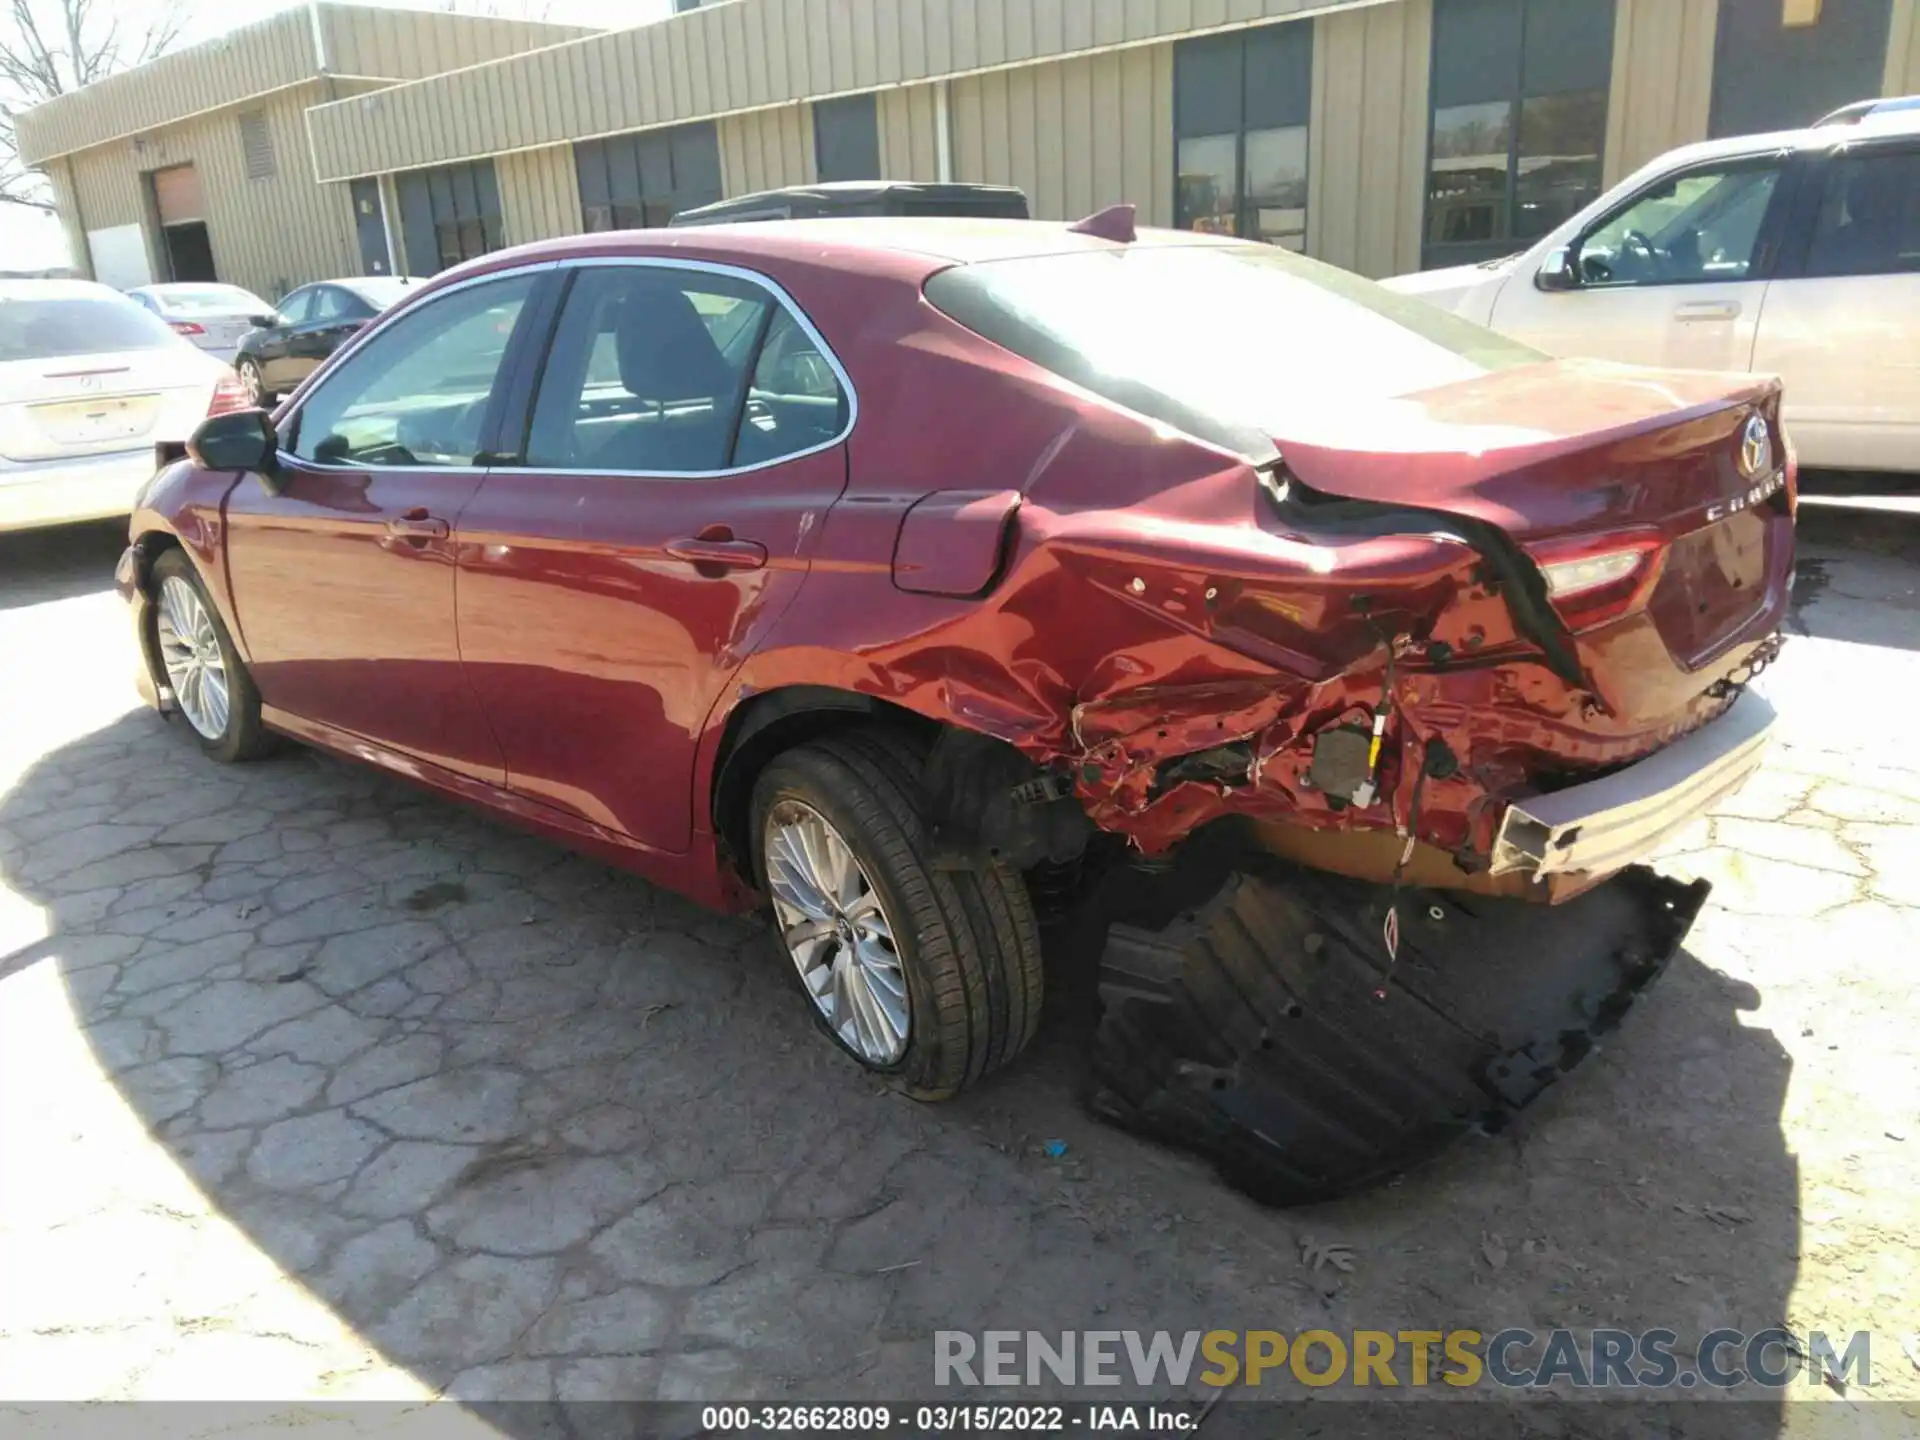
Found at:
<point>211,686</point>
<point>929,976</point>
<point>255,383</point>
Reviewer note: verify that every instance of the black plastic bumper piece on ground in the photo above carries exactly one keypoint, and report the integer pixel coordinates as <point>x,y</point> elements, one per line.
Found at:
<point>1249,1028</point>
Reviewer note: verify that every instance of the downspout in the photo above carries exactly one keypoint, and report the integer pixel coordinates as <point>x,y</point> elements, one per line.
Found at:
<point>942,134</point>
<point>321,64</point>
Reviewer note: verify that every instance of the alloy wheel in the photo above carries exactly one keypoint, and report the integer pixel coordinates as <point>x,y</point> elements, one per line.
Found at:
<point>838,932</point>
<point>250,380</point>
<point>190,652</point>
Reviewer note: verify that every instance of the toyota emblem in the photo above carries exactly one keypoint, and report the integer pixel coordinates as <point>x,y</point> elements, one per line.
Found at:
<point>1756,447</point>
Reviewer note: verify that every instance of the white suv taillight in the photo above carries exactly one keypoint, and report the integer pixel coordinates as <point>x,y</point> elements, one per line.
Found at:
<point>228,395</point>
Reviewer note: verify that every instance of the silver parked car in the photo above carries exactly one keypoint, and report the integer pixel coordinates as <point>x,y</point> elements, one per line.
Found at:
<point>213,317</point>
<point>90,385</point>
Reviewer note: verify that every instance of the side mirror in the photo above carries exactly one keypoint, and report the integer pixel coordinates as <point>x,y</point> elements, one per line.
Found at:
<point>1558,271</point>
<point>264,322</point>
<point>238,440</point>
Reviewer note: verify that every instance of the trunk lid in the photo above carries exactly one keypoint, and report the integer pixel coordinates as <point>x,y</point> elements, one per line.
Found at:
<point>82,405</point>
<point>1577,458</point>
<point>1564,448</point>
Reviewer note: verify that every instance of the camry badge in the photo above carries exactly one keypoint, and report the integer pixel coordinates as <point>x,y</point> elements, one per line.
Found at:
<point>1756,448</point>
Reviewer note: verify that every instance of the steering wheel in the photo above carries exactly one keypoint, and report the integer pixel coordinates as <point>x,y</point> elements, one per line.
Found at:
<point>1640,245</point>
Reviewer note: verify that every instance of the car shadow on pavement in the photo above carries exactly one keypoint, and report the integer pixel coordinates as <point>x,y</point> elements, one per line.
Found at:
<point>534,1130</point>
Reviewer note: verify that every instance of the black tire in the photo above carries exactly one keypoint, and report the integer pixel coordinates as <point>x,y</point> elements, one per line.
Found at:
<point>244,737</point>
<point>255,383</point>
<point>968,942</point>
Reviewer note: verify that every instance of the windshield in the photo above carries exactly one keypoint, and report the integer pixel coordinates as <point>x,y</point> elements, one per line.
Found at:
<point>210,300</point>
<point>1229,343</point>
<point>46,329</point>
<point>382,291</point>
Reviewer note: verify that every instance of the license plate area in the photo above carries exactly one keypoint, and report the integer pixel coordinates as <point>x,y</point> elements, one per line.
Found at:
<point>97,422</point>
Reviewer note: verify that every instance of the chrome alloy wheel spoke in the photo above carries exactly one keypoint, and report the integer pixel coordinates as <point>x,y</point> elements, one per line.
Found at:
<point>836,928</point>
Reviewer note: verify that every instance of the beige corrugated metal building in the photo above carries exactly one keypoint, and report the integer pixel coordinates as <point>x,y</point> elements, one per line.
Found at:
<point>234,109</point>
<point>1379,134</point>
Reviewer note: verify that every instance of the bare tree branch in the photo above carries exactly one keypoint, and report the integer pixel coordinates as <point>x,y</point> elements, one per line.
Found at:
<point>50,48</point>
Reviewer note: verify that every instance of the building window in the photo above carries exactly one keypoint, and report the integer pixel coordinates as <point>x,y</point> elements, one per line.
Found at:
<point>1240,125</point>
<point>1519,121</point>
<point>1778,68</point>
<point>448,215</point>
<point>637,182</point>
<point>846,138</point>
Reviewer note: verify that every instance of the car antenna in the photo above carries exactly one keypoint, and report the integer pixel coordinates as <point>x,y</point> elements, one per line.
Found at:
<point>1113,223</point>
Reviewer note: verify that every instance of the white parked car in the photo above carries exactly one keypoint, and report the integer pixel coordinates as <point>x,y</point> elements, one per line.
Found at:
<point>1796,254</point>
<point>90,385</point>
<point>213,317</point>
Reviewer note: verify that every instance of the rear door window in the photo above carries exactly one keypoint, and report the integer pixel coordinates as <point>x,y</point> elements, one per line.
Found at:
<point>1869,217</point>
<point>660,370</point>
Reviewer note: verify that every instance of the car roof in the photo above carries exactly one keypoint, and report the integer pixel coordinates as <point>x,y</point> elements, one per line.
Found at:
<point>57,290</point>
<point>1827,136</point>
<point>926,243</point>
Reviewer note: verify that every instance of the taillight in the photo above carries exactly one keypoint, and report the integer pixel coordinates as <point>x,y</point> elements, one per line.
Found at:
<point>1600,578</point>
<point>1793,473</point>
<point>187,327</point>
<point>228,395</point>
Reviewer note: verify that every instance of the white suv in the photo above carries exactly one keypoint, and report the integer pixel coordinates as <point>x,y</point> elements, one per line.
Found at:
<point>1795,254</point>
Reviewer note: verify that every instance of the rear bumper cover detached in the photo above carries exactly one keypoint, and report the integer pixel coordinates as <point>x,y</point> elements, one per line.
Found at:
<point>1605,825</point>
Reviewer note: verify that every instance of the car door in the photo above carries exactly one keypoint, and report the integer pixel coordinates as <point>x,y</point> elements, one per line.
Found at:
<point>269,347</point>
<point>343,571</point>
<point>1842,318</point>
<point>1675,275</point>
<point>337,314</point>
<point>684,443</point>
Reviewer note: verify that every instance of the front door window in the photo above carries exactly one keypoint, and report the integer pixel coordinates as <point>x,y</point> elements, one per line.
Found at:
<point>1702,226</point>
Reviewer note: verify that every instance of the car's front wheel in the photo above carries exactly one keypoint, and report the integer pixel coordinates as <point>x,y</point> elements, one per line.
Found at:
<point>929,976</point>
<point>211,686</point>
<point>254,383</point>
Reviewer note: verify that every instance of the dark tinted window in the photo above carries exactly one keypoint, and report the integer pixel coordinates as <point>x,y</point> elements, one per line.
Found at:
<point>77,325</point>
<point>1240,127</point>
<point>449,215</point>
<point>1519,98</point>
<point>416,394</point>
<point>679,372</point>
<point>846,138</point>
<point>636,182</point>
<point>1869,221</point>
<point>1223,342</point>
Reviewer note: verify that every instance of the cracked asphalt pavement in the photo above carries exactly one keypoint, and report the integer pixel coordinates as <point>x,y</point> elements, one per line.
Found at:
<point>315,1086</point>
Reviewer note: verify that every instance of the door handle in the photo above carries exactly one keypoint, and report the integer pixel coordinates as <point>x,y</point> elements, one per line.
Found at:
<point>1707,310</point>
<point>716,547</point>
<point>417,524</point>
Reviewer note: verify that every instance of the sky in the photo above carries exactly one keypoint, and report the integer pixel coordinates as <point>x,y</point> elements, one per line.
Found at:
<point>32,241</point>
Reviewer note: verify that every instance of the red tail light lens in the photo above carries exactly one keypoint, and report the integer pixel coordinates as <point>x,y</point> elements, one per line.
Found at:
<point>228,395</point>
<point>1593,580</point>
<point>187,327</point>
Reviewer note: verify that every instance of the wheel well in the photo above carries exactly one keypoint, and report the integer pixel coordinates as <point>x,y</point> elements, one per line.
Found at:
<point>151,546</point>
<point>768,725</point>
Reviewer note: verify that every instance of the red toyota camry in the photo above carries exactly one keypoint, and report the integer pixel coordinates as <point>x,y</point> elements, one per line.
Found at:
<point>900,574</point>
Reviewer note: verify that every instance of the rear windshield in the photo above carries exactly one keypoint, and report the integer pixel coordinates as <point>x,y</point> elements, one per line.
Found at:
<point>1229,343</point>
<point>210,300</point>
<point>47,329</point>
